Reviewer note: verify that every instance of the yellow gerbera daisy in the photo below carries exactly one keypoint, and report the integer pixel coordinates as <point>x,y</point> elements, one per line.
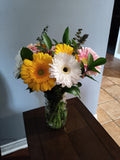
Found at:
<point>36,73</point>
<point>63,48</point>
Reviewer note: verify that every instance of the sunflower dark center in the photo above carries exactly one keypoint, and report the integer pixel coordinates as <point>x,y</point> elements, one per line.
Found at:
<point>65,69</point>
<point>40,72</point>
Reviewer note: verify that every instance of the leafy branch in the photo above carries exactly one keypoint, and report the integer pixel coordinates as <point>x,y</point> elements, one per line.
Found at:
<point>78,39</point>
<point>40,39</point>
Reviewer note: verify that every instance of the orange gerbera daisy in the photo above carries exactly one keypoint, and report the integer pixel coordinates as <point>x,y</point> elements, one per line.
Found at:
<point>36,72</point>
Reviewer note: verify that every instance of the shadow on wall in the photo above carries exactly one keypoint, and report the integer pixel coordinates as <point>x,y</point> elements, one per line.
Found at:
<point>11,124</point>
<point>5,97</point>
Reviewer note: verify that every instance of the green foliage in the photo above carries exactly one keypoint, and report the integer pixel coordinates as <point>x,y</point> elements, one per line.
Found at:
<point>65,38</point>
<point>90,77</point>
<point>69,43</point>
<point>80,39</point>
<point>52,52</point>
<point>92,64</point>
<point>55,41</point>
<point>73,90</point>
<point>58,91</point>
<point>47,41</point>
<point>94,70</point>
<point>99,61</point>
<point>82,68</point>
<point>56,114</point>
<point>40,39</point>
<point>79,84</point>
<point>55,94</point>
<point>74,44</point>
<point>26,53</point>
<point>41,48</point>
<point>90,59</point>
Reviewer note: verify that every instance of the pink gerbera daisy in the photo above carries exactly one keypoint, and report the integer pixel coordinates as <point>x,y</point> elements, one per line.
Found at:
<point>83,56</point>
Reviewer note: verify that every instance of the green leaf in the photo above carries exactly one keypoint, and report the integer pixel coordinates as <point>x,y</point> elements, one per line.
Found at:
<point>79,84</point>
<point>74,43</point>
<point>65,38</point>
<point>95,70</point>
<point>83,38</point>
<point>52,52</point>
<point>82,67</point>
<point>55,41</point>
<point>90,59</point>
<point>47,40</point>
<point>90,77</point>
<point>73,90</point>
<point>69,42</point>
<point>41,48</point>
<point>99,61</point>
<point>26,53</point>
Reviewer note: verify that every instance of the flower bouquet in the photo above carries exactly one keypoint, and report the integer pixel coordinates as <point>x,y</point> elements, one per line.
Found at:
<point>56,68</point>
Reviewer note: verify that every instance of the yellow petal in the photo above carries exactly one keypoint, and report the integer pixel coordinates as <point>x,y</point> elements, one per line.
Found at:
<point>28,80</point>
<point>31,75</point>
<point>37,87</point>
<point>27,62</point>
<point>63,48</point>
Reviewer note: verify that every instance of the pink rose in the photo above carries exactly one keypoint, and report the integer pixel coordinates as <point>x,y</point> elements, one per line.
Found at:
<point>33,48</point>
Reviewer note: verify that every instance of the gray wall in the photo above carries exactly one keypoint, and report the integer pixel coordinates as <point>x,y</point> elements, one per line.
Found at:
<point>21,21</point>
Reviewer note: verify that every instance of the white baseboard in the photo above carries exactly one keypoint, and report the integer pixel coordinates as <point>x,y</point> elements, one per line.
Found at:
<point>13,146</point>
<point>95,115</point>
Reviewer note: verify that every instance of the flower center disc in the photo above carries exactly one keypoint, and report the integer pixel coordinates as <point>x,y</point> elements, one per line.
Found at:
<point>66,69</point>
<point>40,72</point>
<point>85,60</point>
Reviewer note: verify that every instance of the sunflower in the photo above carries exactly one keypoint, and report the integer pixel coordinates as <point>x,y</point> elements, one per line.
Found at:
<point>63,48</point>
<point>66,69</point>
<point>36,73</point>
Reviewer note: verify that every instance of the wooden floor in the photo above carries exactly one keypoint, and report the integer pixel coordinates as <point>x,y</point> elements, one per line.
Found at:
<point>112,67</point>
<point>108,117</point>
<point>108,111</point>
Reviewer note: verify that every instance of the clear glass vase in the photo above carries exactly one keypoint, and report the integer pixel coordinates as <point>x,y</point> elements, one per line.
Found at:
<point>55,109</point>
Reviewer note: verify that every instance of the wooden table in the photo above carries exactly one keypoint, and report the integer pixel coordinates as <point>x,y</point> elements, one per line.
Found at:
<point>83,138</point>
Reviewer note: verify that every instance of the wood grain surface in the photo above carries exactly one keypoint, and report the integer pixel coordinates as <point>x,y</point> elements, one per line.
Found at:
<point>82,138</point>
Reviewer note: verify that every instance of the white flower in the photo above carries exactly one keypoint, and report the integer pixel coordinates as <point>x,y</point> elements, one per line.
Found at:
<point>66,69</point>
<point>18,65</point>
